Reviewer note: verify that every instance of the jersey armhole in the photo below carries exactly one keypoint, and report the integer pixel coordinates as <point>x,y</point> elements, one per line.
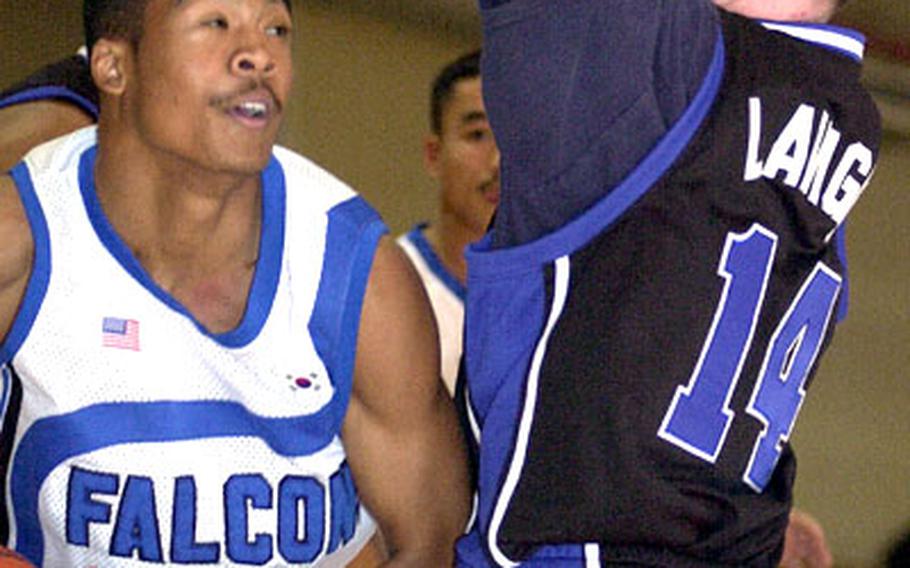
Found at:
<point>36,288</point>
<point>352,236</point>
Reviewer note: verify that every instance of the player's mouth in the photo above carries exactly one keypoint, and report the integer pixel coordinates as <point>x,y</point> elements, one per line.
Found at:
<point>253,113</point>
<point>254,109</point>
<point>490,192</point>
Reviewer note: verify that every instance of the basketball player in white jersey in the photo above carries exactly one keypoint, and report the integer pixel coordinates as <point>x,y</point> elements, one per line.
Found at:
<point>212,409</point>
<point>461,156</point>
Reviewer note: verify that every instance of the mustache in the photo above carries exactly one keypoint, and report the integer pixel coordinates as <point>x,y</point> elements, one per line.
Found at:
<point>252,85</point>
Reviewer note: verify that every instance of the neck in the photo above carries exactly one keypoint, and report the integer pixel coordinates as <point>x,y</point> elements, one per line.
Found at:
<point>175,218</point>
<point>449,238</point>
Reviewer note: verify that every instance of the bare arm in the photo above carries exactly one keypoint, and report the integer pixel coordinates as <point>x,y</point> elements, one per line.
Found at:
<point>805,544</point>
<point>24,126</point>
<point>401,433</point>
<point>16,250</point>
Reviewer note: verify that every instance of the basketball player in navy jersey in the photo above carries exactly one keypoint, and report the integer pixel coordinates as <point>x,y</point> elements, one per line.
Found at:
<point>644,318</point>
<point>170,393</point>
<point>456,153</point>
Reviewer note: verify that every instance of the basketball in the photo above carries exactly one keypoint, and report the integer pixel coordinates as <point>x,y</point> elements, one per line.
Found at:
<point>11,559</point>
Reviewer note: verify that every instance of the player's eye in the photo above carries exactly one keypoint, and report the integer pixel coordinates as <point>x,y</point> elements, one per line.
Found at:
<point>478,135</point>
<point>279,30</point>
<point>216,22</point>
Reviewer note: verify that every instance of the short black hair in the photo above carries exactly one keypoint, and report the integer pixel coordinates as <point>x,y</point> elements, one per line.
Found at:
<point>467,66</point>
<point>898,553</point>
<point>120,19</point>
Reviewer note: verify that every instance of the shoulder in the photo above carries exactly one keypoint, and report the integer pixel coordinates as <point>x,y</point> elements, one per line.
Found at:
<point>316,197</point>
<point>395,287</point>
<point>314,182</point>
<point>408,241</point>
<point>397,322</point>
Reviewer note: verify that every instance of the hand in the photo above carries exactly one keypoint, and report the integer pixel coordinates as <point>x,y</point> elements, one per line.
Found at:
<point>805,545</point>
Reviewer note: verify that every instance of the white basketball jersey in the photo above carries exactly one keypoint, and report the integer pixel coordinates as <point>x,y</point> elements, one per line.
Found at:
<point>132,436</point>
<point>446,296</point>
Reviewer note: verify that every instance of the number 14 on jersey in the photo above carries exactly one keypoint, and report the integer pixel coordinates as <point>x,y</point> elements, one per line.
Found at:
<point>700,415</point>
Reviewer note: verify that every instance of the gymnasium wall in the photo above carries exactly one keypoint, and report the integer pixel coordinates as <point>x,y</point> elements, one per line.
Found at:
<point>360,110</point>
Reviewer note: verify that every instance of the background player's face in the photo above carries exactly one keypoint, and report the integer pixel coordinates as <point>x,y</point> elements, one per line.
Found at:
<point>210,80</point>
<point>464,158</point>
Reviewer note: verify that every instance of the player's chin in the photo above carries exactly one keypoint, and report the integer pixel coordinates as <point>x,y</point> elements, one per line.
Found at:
<point>252,149</point>
<point>248,168</point>
<point>246,159</point>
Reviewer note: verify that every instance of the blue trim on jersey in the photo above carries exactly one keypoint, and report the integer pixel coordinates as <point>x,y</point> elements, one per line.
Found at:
<point>6,384</point>
<point>41,265</point>
<point>840,30</point>
<point>795,30</point>
<point>106,425</point>
<point>54,92</point>
<point>840,241</point>
<point>433,262</point>
<point>470,553</point>
<point>352,235</point>
<point>268,265</point>
<point>482,259</point>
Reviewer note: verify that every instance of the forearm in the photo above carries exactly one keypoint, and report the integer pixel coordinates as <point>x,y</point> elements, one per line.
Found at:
<point>24,126</point>
<point>401,434</point>
<point>441,493</point>
<point>420,496</point>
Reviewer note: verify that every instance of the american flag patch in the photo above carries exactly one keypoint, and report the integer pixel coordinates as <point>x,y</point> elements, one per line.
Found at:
<point>120,333</point>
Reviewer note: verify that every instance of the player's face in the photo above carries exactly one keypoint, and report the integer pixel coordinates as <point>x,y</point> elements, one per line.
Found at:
<point>211,79</point>
<point>464,159</point>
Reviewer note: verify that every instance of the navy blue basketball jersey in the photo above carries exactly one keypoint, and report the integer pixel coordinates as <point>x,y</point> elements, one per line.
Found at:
<point>634,376</point>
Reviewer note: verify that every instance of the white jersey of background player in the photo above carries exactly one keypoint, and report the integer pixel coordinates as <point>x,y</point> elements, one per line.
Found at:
<point>446,295</point>
<point>461,155</point>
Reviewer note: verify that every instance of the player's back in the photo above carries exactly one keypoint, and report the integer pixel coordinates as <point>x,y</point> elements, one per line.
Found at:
<point>636,373</point>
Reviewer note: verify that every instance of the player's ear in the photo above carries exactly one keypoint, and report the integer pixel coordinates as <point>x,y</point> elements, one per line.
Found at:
<point>108,65</point>
<point>431,150</point>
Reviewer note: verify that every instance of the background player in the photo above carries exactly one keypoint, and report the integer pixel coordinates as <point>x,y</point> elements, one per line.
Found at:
<point>644,318</point>
<point>461,156</point>
<point>179,211</point>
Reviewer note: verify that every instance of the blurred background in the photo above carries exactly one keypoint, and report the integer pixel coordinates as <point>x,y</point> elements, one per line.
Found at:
<point>364,69</point>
